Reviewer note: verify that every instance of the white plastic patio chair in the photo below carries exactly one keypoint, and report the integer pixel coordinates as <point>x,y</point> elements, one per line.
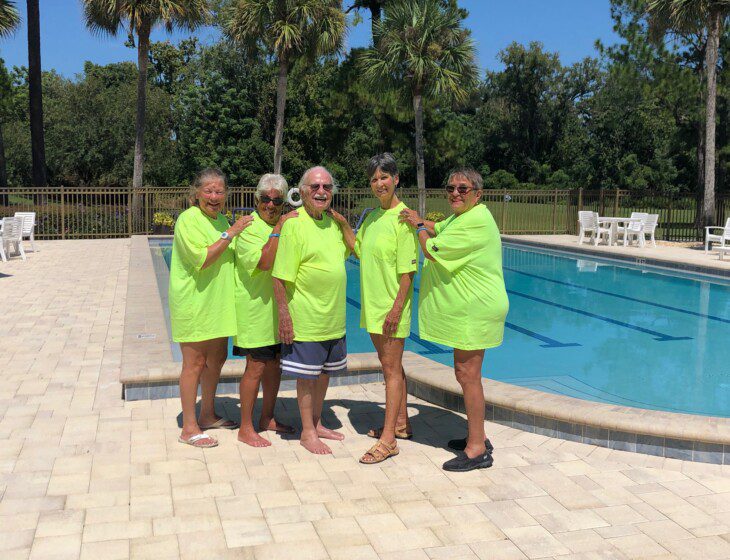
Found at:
<point>646,226</point>
<point>11,237</point>
<point>28,227</point>
<point>632,227</point>
<point>587,223</point>
<point>722,237</point>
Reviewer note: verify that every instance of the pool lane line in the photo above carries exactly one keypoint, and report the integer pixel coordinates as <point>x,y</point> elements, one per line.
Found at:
<point>612,294</point>
<point>661,337</point>
<point>548,342</point>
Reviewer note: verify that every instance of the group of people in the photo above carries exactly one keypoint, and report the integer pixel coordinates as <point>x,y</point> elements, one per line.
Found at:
<point>276,282</point>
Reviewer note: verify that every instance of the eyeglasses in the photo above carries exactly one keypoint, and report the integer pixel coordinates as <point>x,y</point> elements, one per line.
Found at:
<point>326,186</point>
<point>461,189</point>
<point>278,201</point>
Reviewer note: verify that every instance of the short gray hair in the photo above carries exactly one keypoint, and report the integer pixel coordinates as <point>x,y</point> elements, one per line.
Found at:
<point>385,162</point>
<point>270,181</point>
<point>303,181</point>
<point>201,178</point>
<point>472,175</point>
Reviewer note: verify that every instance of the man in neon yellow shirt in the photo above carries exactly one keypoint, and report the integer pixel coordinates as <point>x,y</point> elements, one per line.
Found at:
<point>310,283</point>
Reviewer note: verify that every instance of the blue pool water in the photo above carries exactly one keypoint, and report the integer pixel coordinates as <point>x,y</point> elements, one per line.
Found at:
<point>598,330</point>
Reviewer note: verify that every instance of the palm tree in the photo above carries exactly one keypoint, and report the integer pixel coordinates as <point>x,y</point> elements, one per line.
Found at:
<point>35,95</point>
<point>287,30</point>
<point>9,18</point>
<point>707,17</point>
<point>374,6</point>
<point>421,48</point>
<point>9,21</point>
<point>138,18</point>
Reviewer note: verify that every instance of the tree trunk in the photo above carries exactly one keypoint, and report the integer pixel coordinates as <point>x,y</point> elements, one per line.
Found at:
<point>280,109</point>
<point>143,49</point>
<point>38,149</point>
<point>375,9</point>
<point>3,171</point>
<point>711,54</point>
<point>420,167</point>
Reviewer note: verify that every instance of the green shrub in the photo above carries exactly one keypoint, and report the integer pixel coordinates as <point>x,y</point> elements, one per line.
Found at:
<point>163,219</point>
<point>435,216</point>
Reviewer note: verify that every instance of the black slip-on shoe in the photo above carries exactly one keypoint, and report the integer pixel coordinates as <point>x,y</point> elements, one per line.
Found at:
<point>462,463</point>
<point>460,445</point>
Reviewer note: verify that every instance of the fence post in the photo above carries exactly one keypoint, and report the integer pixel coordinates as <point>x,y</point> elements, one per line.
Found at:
<point>601,202</point>
<point>145,205</point>
<point>63,214</point>
<point>555,212</point>
<point>349,206</point>
<point>669,220</point>
<point>504,210</point>
<point>129,211</point>
<point>615,202</point>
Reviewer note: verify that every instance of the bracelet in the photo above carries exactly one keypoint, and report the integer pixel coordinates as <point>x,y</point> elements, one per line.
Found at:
<point>274,235</point>
<point>420,229</point>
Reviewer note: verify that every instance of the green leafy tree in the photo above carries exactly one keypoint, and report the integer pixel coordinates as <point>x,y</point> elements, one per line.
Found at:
<point>690,16</point>
<point>421,49</point>
<point>286,30</point>
<point>138,18</point>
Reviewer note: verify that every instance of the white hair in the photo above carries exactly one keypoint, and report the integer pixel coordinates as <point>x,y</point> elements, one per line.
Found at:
<point>271,181</point>
<point>303,183</point>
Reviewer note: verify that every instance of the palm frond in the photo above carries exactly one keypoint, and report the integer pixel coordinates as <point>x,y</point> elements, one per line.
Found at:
<point>9,18</point>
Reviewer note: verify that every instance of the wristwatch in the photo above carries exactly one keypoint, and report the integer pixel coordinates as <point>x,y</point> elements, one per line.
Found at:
<point>419,224</point>
<point>225,235</point>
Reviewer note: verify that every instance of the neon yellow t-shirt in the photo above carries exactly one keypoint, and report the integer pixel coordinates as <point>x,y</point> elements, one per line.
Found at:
<point>311,260</point>
<point>201,300</point>
<point>463,302</point>
<point>256,313</point>
<point>387,250</point>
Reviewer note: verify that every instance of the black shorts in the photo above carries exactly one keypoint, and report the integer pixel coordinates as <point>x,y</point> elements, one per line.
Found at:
<point>262,353</point>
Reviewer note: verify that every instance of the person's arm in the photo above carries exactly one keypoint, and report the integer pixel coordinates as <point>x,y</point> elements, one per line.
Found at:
<point>347,232</point>
<point>286,327</point>
<point>392,320</point>
<point>268,253</point>
<point>424,228</point>
<point>218,248</point>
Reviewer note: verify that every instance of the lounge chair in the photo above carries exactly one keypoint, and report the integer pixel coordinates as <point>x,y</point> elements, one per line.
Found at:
<point>11,237</point>
<point>588,223</point>
<point>722,237</point>
<point>28,227</point>
<point>646,227</point>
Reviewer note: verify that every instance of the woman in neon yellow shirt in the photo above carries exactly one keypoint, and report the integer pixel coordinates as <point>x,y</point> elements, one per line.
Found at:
<point>462,301</point>
<point>201,294</point>
<point>388,255</point>
<point>256,312</point>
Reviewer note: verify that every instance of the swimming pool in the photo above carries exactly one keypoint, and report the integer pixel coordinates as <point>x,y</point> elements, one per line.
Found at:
<point>597,330</point>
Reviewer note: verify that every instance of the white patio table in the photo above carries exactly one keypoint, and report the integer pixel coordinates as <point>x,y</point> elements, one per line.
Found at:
<point>613,224</point>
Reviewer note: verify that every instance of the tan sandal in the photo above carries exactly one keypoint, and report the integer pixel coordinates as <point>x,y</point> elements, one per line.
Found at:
<point>401,432</point>
<point>379,453</point>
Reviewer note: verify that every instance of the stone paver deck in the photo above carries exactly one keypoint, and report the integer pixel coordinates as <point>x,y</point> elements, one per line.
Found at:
<point>85,475</point>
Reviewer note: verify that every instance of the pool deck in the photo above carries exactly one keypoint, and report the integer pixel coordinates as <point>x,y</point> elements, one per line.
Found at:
<point>687,259</point>
<point>85,474</point>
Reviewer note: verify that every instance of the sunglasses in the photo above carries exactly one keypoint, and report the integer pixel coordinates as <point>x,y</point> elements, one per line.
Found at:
<point>326,186</point>
<point>461,189</point>
<point>278,201</point>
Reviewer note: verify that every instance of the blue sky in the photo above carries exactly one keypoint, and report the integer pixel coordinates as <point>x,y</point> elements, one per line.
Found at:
<point>569,27</point>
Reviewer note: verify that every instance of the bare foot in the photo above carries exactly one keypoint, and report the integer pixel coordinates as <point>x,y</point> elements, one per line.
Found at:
<point>315,445</point>
<point>273,425</point>
<point>249,437</point>
<point>326,433</point>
